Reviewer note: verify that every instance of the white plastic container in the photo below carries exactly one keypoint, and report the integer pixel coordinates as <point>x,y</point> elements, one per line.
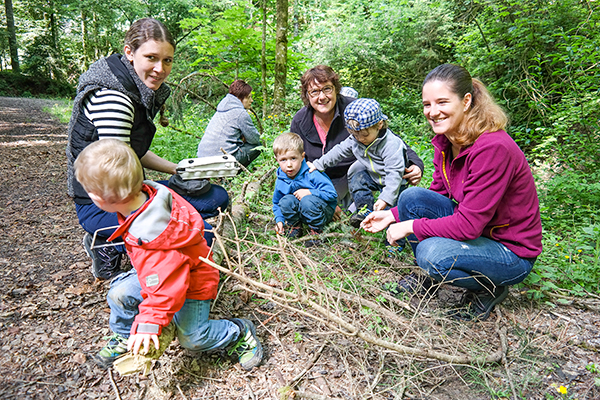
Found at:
<point>207,167</point>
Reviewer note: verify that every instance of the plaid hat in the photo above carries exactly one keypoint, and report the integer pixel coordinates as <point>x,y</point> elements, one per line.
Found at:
<point>348,91</point>
<point>366,112</point>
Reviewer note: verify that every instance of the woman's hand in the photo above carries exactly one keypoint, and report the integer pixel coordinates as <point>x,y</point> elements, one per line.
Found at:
<point>380,205</point>
<point>413,175</point>
<point>377,221</point>
<point>139,339</point>
<point>399,231</point>
<point>311,166</point>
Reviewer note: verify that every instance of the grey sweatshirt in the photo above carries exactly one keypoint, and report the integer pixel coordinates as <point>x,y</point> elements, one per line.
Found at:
<point>384,159</point>
<point>226,129</point>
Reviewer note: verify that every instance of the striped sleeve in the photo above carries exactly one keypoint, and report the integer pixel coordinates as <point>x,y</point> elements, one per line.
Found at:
<point>111,112</point>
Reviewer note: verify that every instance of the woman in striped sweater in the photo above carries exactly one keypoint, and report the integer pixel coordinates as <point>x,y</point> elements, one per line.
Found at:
<point>118,98</point>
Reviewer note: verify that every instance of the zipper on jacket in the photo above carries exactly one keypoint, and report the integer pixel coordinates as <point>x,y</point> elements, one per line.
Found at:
<point>446,174</point>
<point>371,162</point>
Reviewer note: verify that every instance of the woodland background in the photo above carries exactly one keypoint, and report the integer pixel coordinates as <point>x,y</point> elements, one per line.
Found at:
<point>538,58</point>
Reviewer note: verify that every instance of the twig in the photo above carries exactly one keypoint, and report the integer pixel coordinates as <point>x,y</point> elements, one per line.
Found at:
<point>181,392</point>
<point>252,395</point>
<point>312,396</point>
<point>504,345</point>
<point>309,365</point>
<point>114,385</point>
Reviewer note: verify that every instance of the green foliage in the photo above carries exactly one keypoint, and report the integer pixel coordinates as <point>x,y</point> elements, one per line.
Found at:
<point>377,46</point>
<point>20,84</point>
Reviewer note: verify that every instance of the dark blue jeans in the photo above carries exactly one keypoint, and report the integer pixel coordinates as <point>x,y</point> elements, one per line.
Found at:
<point>473,264</point>
<point>311,210</point>
<point>91,218</point>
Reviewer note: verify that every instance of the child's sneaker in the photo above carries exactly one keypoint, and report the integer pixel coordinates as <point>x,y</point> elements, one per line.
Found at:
<point>313,241</point>
<point>359,216</point>
<point>248,346</point>
<point>116,347</point>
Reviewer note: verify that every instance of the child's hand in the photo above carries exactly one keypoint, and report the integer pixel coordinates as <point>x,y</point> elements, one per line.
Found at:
<point>311,167</point>
<point>279,228</point>
<point>135,342</point>
<point>300,193</point>
<point>380,205</point>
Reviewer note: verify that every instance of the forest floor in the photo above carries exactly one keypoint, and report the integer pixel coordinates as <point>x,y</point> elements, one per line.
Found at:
<point>53,316</point>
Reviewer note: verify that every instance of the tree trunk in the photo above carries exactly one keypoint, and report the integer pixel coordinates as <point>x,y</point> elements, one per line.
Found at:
<point>280,58</point>
<point>263,59</point>
<point>12,36</point>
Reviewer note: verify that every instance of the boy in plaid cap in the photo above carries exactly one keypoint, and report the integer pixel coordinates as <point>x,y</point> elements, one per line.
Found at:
<point>380,159</point>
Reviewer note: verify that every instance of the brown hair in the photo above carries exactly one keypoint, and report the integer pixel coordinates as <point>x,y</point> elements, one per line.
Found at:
<point>288,141</point>
<point>146,29</point>
<point>140,32</point>
<point>110,169</point>
<point>483,115</point>
<point>240,89</point>
<point>321,74</point>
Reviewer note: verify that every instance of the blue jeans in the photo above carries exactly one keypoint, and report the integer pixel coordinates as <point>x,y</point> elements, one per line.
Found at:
<point>91,218</point>
<point>311,210</point>
<point>473,264</point>
<point>362,186</point>
<point>194,330</point>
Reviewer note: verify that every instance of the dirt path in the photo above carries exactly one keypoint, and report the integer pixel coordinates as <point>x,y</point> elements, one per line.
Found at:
<point>53,315</point>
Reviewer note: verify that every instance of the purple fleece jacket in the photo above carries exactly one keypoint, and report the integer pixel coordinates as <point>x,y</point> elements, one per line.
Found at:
<point>493,186</point>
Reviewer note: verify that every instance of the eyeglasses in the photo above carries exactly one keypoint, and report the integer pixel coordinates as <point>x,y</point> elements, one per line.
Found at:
<point>327,90</point>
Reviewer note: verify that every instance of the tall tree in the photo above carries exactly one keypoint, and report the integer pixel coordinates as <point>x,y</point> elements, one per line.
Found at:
<point>280,57</point>
<point>263,59</point>
<point>12,36</point>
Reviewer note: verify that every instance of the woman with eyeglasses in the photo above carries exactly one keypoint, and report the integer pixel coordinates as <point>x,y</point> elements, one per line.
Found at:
<point>320,124</point>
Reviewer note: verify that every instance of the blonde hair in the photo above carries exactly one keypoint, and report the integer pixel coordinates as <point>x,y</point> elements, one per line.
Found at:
<point>110,169</point>
<point>483,115</point>
<point>286,142</point>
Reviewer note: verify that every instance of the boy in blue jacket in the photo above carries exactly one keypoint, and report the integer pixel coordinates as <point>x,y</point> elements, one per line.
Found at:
<point>300,197</point>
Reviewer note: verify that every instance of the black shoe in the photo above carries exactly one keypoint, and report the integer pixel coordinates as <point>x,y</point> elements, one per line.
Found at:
<point>479,304</point>
<point>358,217</point>
<point>106,261</point>
<point>293,231</point>
<point>410,284</point>
<point>313,241</point>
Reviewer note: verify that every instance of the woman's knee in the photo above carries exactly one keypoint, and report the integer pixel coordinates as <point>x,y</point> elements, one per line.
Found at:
<point>411,195</point>
<point>220,196</point>
<point>430,259</point>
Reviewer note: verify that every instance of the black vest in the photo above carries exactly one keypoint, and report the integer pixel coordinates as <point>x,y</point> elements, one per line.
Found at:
<point>142,132</point>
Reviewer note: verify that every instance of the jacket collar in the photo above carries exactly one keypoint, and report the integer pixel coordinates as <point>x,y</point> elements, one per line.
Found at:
<point>125,222</point>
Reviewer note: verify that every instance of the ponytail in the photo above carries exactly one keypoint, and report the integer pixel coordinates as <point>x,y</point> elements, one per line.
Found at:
<point>163,120</point>
<point>484,115</point>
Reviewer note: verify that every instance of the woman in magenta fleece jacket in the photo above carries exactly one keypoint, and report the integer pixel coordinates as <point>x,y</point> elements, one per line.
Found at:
<point>478,225</point>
